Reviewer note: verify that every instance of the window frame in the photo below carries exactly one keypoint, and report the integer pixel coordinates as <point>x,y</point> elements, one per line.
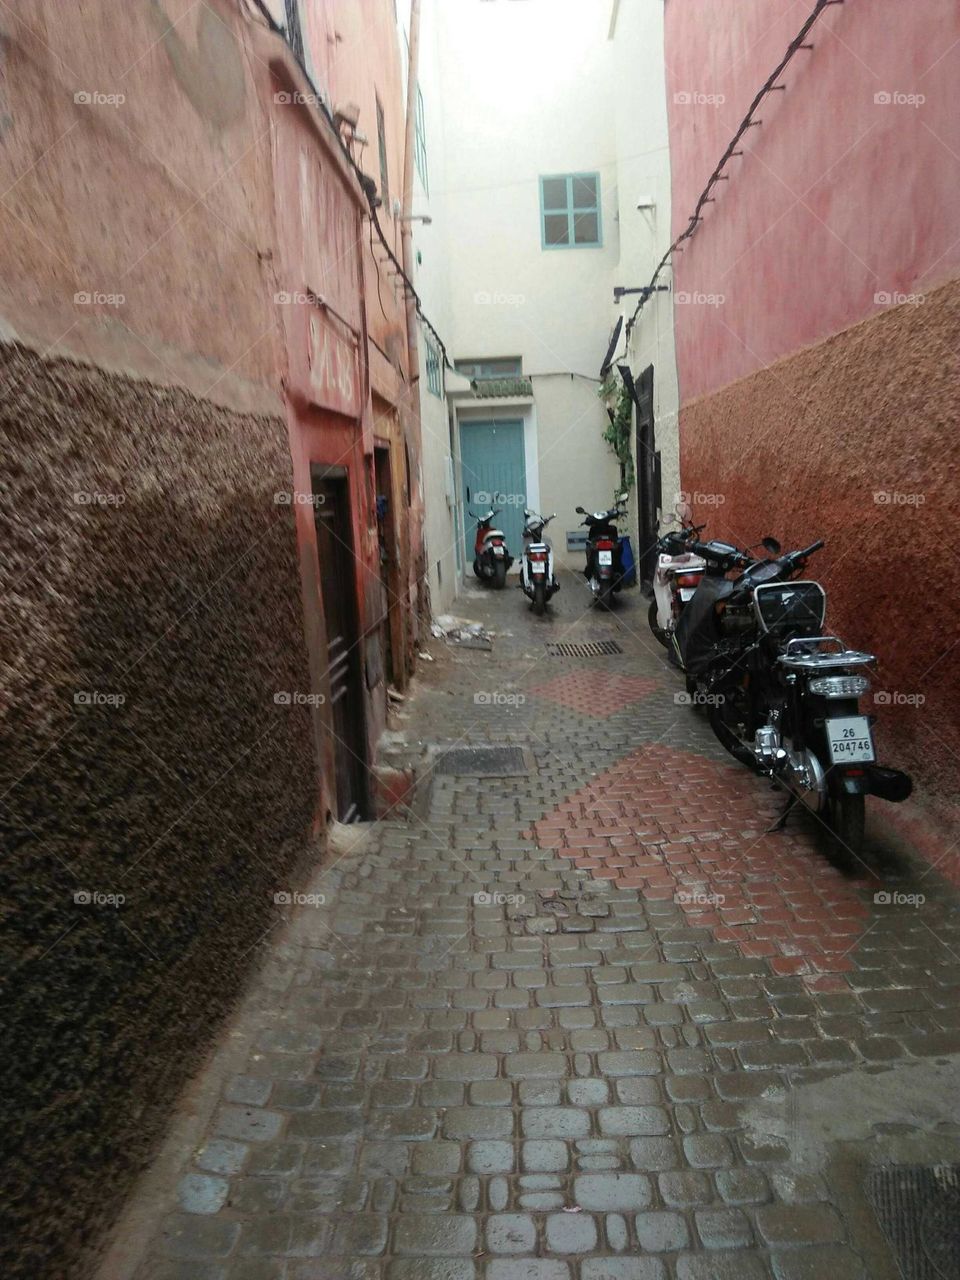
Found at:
<point>420,141</point>
<point>434,368</point>
<point>382,155</point>
<point>474,367</point>
<point>571,211</point>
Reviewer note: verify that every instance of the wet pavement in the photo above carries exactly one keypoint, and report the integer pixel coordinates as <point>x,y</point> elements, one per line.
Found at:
<point>586,1020</point>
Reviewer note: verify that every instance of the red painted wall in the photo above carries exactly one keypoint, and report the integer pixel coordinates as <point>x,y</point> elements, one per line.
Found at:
<point>814,401</point>
<point>838,198</point>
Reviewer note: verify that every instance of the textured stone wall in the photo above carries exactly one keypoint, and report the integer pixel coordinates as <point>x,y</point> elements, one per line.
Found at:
<point>144,559</point>
<point>855,441</point>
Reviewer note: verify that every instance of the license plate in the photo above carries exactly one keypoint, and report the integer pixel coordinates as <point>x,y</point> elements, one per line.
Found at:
<point>686,593</point>
<point>850,740</point>
<point>605,557</point>
<point>498,551</point>
<point>538,568</point>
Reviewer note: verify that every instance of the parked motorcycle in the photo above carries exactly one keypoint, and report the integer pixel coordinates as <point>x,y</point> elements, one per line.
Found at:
<point>491,559</point>
<point>537,578</point>
<point>676,576</point>
<point>783,697</point>
<point>604,570</point>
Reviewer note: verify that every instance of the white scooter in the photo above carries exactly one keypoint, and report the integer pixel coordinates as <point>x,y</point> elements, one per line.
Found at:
<point>537,578</point>
<point>675,579</point>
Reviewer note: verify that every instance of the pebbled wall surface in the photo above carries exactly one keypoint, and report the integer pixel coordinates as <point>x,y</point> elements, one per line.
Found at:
<point>854,440</point>
<point>144,559</point>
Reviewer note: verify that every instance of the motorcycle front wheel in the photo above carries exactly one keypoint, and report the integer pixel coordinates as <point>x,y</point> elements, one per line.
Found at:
<point>658,631</point>
<point>500,574</point>
<point>539,598</point>
<point>846,818</point>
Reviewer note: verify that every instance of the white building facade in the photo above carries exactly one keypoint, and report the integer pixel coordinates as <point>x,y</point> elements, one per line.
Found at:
<point>548,184</point>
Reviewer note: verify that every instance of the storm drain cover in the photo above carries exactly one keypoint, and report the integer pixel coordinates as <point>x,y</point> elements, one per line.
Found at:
<point>586,649</point>
<point>483,762</point>
<point>919,1210</point>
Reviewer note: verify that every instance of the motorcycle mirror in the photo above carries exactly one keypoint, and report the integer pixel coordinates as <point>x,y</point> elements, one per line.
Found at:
<point>771,545</point>
<point>580,511</point>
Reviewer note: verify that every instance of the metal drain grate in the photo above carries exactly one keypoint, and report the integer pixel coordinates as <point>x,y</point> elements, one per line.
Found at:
<point>918,1208</point>
<point>586,649</point>
<point>483,762</point>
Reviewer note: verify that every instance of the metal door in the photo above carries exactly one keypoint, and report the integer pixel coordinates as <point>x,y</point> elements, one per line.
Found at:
<point>338,592</point>
<point>494,475</point>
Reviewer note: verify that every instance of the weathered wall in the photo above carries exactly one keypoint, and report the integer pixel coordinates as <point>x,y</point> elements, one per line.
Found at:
<point>145,559</point>
<point>847,194</point>
<point>855,441</point>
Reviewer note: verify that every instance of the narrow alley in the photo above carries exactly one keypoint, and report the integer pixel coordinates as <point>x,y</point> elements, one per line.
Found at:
<point>573,1013</point>
<point>480,700</point>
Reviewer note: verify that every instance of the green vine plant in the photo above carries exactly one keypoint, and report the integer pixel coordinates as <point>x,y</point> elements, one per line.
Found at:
<point>619,429</point>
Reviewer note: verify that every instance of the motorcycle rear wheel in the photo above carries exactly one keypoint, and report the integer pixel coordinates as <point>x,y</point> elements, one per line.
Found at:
<point>846,819</point>
<point>539,598</point>
<point>658,632</point>
<point>604,595</point>
<point>500,574</point>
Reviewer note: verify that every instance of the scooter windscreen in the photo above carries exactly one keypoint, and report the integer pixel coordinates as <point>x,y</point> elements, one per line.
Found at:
<point>697,630</point>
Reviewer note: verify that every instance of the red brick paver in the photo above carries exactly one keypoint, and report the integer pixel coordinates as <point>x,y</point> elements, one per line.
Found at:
<point>597,694</point>
<point>675,825</point>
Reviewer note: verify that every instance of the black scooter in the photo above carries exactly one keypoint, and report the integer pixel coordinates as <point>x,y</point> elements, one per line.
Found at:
<point>783,697</point>
<point>604,569</point>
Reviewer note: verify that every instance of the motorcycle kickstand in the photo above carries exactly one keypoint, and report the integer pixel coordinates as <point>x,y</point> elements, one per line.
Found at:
<point>781,822</point>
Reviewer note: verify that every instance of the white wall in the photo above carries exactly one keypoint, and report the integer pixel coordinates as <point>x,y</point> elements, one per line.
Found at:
<point>643,164</point>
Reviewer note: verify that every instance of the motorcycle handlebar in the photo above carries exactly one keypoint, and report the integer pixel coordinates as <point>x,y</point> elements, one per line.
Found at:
<point>796,556</point>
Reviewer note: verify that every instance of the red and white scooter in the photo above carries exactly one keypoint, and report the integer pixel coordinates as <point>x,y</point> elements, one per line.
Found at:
<point>491,559</point>
<point>675,579</point>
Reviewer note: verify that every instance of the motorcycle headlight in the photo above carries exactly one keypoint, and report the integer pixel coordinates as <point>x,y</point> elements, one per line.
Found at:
<point>839,686</point>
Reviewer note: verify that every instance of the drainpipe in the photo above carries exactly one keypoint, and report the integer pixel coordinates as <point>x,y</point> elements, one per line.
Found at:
<point>406,226</point>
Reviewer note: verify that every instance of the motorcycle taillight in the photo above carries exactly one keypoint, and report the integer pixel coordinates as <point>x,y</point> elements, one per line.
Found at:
<point>688,579</point>
<point>538,555</point>
<point>604,544</point>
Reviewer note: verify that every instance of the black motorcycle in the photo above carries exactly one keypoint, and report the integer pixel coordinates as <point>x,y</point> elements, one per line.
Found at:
<point>604,569</point>
<point>783,697</point>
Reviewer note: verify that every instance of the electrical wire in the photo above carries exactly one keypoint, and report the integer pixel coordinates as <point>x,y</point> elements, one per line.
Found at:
<point>718,175</point>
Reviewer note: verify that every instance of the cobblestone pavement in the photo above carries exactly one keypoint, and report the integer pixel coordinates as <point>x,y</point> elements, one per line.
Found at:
<point>590,1022</point>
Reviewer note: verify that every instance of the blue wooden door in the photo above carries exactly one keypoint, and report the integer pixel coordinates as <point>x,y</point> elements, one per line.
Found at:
<point>491,458</point>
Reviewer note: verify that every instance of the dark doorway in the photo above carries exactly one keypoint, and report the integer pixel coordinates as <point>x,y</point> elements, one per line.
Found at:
<point>387,541</point>
<point>338,592</point>
<point>648,481</point>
